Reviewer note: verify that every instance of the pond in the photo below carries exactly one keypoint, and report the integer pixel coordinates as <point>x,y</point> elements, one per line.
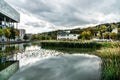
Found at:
<point>43,64</point>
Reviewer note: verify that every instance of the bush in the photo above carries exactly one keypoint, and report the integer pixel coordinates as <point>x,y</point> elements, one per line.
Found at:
<point>71,44</point>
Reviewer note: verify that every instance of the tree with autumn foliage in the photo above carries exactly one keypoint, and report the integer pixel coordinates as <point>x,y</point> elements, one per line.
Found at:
<point>16,32</point>
<point>106,35</point>
<point>113,35</point>
<point>103,28</point>
<point>86,35</point>
<point>7,33</point>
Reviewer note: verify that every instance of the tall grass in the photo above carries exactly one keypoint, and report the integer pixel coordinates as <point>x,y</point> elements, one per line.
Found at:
<point>111,62</point>
<point>111,69</point>
<point>110,44</point>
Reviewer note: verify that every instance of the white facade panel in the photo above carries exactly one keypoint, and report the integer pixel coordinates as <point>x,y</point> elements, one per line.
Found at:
<point>69,36</point>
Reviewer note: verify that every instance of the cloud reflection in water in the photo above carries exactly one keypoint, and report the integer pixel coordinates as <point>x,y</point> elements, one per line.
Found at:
<point>64,67</point>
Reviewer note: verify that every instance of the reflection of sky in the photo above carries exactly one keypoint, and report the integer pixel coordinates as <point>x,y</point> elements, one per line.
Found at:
<point>64,67</point>
<point>32,54</point>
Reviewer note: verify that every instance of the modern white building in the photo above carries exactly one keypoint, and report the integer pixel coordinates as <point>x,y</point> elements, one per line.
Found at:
<point>67,35</point>
<point>9,17</point>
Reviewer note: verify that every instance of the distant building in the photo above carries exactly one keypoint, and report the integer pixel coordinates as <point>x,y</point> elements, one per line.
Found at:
<point>67,35</point>
<point>21,34</point>
<point>115,30</point>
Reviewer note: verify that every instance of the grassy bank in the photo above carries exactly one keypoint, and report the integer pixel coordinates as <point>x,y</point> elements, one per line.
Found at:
<point>93,45</point>
<point>108,51</point>
<point>79,44</point>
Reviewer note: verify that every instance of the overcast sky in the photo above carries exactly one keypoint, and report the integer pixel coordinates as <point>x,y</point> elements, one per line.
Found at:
<point>46,15</point>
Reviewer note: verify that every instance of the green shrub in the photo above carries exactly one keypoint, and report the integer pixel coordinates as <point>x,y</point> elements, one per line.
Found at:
<point>71,44</point>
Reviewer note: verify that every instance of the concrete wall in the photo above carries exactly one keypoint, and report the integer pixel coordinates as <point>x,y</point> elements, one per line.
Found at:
<point>8,11</point>
<point>9,71</point>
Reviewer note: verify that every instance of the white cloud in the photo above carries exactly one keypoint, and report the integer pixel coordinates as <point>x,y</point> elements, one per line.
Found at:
<point>47,15</point>
<point>32,24</point>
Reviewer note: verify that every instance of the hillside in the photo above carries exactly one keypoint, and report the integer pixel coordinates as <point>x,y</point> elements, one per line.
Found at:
<point>98,31</point>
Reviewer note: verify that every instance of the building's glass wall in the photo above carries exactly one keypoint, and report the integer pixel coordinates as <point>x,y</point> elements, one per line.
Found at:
<point>9,11</point>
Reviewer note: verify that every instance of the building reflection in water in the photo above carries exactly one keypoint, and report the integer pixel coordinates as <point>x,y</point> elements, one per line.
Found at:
<point>10,52</point>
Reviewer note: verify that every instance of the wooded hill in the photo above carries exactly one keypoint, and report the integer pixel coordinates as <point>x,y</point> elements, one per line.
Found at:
<point>98,31</point>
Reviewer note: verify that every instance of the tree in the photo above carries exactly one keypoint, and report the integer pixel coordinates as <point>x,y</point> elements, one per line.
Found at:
<point>118,30</point>
<point>113,26</point>
<point>16,32</point>
<point>118,36</point>
<point>79,37</point>
<point>26,37</point>
<point>106,35</point>
<point>1,32</point>
<point>86,35</point>
<point>100,34</point>
<point>103,28</point>
<point>34,37</point>
<point>113,35</point>
<point>7,33</point>
<point>93,30</point>
<point>109,29</point>
<point>12,35</point>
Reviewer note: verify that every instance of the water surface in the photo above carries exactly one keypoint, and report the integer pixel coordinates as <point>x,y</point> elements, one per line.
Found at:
<point>41,64</point>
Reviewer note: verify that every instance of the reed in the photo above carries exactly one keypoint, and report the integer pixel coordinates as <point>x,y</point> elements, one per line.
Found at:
<point>111,63</point>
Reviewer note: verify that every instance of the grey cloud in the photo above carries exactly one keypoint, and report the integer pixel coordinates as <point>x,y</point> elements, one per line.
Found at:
<point>35,24</point>
<point>69,12</point>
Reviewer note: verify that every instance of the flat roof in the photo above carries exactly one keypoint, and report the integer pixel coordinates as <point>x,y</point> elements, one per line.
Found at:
<point>7,11</point>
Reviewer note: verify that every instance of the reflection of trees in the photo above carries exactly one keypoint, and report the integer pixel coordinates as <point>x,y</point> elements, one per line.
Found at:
<point>26,45</point>
<point>9,50</point>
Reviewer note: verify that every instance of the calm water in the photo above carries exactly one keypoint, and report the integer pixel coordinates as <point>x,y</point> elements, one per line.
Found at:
<point>41,64</point>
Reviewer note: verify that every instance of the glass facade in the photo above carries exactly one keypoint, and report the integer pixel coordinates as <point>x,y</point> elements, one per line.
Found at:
<point>8,12</point>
